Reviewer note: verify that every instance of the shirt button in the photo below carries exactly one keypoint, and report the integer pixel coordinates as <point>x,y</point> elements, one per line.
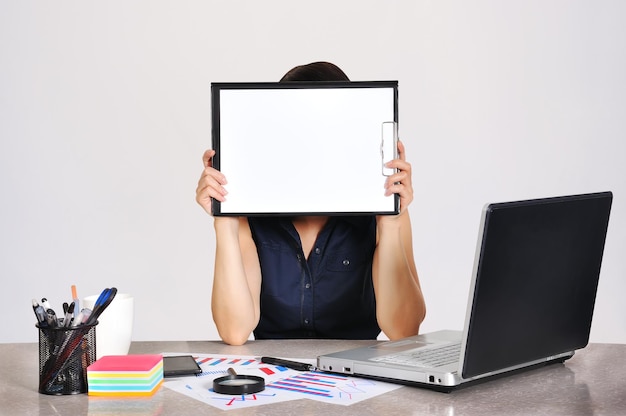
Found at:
<point>308,285</point>
<point>346,262</point>
<point>317,250</point>
<point>299,257</point>
<point>306,321</point>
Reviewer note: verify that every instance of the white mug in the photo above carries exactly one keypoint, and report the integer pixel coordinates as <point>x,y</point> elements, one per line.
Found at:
<point>115,325</point>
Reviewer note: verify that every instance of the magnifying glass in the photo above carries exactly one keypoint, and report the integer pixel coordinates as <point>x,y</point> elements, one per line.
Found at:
<point>236,384</point>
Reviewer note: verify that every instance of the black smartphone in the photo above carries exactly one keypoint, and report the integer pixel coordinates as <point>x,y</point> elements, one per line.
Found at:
<point>180,365</point>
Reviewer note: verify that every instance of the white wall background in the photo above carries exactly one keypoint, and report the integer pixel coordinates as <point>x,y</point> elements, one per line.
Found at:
<point>104,115</point>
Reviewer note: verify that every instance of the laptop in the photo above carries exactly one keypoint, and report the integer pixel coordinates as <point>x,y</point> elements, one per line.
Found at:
<point>531,299</point>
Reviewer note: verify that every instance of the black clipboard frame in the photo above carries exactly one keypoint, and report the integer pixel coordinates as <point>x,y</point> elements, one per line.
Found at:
<point>219,88</point>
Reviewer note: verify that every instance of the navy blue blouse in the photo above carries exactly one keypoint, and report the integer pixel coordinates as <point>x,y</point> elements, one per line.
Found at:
<point>331,294</point>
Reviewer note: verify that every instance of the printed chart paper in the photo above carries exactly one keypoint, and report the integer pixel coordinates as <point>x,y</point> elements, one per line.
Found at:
<point>281,383</point>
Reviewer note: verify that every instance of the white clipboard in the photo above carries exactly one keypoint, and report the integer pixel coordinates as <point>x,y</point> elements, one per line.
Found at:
<point>305,148</point>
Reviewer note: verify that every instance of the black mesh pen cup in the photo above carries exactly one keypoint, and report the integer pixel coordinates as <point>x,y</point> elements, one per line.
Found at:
<point>64,355</point>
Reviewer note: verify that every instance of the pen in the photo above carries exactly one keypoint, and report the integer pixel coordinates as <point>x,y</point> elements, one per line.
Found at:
<point>52,317</point>
<point>294,365</point>
<point>76,301</point>
<point>45,303</point>
<point>69,314</point>
<point>82,317</point>
<point>103,301</point>
<point>40,313</point>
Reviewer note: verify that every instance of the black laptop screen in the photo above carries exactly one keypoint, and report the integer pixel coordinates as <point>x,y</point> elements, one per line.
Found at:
<point>536,280</point>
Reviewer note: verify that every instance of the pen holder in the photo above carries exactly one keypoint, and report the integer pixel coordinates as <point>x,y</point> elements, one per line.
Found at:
<point>64,355</point>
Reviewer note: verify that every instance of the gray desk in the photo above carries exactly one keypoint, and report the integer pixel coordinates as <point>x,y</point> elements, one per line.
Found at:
<point>592,382</point>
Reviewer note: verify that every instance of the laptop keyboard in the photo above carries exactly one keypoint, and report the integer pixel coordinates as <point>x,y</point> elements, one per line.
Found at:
<point>424,356</point>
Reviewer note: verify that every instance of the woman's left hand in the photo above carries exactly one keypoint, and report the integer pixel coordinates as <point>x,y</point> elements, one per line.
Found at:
<point>400,182</point>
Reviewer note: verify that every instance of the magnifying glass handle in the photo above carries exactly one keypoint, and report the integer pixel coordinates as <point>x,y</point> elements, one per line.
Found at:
<point>232,371</point>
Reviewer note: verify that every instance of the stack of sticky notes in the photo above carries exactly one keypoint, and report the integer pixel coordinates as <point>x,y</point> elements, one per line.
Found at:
<point>125,375</point>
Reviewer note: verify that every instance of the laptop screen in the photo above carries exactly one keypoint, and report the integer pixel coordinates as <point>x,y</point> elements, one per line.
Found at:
<point>536,279</point>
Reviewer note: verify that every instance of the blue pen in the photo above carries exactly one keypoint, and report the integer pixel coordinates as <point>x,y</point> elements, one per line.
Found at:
<point>103,301</point>
<point>102,298</point>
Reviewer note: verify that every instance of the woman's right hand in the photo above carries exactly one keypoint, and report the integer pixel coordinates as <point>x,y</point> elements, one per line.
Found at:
<point>211,183</point>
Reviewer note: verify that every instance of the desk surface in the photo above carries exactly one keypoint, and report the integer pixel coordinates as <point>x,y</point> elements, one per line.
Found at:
<point>592,382</point>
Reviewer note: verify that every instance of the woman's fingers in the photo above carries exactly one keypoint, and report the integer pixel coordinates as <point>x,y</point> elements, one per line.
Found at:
<point>211,183</point>
<point>400,182</point>
<point>207,158</point>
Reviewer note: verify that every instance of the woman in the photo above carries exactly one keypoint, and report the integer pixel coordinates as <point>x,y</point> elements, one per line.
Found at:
<point>315,276</point>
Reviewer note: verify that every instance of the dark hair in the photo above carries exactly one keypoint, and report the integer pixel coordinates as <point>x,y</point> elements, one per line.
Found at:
<point>315,71</point>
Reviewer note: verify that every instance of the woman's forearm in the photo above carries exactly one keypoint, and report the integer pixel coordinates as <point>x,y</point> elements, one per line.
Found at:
<point>233,304</point>
<point>400,307</point>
